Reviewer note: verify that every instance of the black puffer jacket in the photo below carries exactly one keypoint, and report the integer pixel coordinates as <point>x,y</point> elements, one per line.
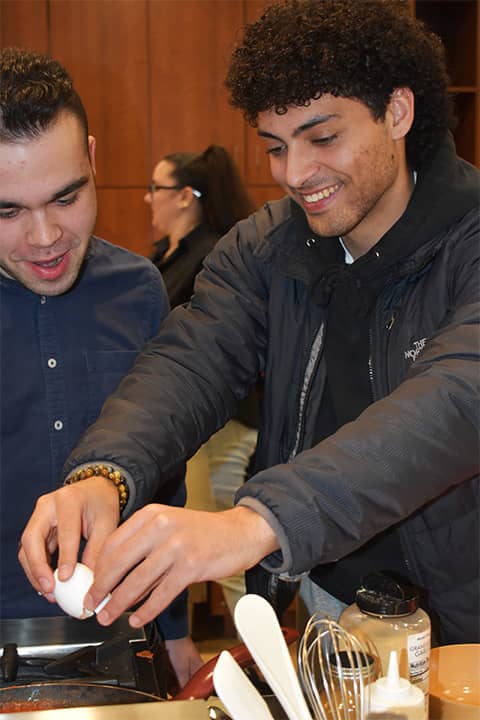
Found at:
<point>410,459</point>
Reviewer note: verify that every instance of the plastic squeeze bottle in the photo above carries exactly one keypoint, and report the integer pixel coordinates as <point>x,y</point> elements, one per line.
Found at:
<point>396,695</point>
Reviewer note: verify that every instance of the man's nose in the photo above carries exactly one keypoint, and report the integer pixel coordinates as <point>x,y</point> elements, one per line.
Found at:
<point>300,167</point>
<point>148,197</point>
<point>44,230</point>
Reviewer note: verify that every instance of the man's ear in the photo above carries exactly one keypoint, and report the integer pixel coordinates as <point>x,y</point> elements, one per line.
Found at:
<point>401,110</point>
<point>92,143</point>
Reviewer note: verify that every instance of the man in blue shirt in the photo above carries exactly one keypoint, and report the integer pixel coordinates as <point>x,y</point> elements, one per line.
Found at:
<point>74,312</point>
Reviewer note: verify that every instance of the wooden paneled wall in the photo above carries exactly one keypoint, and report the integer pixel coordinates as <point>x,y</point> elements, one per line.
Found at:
<point>150,73</point>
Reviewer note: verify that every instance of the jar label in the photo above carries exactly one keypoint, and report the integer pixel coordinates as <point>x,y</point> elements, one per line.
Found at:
<point>418,647</point>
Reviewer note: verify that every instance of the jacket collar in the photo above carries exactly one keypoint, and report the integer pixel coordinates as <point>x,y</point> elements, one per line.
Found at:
<point>186,243</point>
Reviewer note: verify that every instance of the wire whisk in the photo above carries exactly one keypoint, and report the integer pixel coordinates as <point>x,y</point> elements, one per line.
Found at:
<point>335,669</point>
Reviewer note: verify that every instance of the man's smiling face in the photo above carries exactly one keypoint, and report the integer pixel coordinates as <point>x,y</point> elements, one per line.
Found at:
<point>47,206</point>
<point>344,168</point>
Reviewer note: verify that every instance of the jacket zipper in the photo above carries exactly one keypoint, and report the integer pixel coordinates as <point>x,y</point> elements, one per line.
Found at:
<point>310,370</point>
<point>388,327</point>
<point>370,364</point>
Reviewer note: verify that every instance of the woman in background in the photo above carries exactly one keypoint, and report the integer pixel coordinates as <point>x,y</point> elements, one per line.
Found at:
<point>195,198</point>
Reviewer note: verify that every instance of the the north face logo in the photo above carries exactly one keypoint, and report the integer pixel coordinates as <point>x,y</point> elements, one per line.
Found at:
<point>415,351</point>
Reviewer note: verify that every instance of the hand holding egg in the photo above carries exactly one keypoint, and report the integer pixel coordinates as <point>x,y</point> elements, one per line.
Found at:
<point>70,593</point>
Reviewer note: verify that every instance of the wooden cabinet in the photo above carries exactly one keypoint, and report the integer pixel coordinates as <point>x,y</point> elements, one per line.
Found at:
<point>190,43</point>
<point>24,23</point>
<point>124,218</point>
<point>457,22</point>
<point>102,45</point>
<point>257,168</point>
<point>151,75</point>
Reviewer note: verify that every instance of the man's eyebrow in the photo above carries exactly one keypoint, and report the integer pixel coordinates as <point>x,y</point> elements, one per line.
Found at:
<point>316,120</point>
<point>6,205</point>
<point>71,187</point>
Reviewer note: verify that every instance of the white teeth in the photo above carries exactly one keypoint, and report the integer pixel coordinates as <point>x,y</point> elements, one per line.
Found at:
<point>322,195</point>
<point>50,263</point>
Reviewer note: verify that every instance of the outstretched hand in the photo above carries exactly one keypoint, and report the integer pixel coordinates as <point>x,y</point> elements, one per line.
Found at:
<point>88,509</point>
<point>161,550</point>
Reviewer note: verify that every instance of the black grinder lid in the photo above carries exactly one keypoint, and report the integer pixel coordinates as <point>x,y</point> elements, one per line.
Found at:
<point>382,594</point>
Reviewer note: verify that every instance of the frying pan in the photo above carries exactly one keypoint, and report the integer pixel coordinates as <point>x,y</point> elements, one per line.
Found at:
<point>67,694</point>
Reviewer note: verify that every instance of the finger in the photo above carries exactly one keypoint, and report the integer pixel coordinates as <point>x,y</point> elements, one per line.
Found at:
<point>52,542</point>
<point>124,549</point>
<point>131,527</point>
<point>111,570</point>
<point>136,586</point>
<point>43,589</point>
<point>160,577</point>
<point>33,552</point>
<point>94,546</point>
<point>70,506</point>
<point>146,574</point>
<point>90,509</point>
<point>101,531</point>
<point>169,586</point>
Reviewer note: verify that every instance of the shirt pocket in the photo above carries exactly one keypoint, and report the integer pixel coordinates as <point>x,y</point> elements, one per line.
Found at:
<point>105,369</point>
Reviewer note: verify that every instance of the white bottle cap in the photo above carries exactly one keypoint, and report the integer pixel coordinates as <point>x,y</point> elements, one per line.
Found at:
<point>392,691</point>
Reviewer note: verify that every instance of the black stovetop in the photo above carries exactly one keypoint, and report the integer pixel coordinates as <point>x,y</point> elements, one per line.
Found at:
<point>61,648</point>
<point>55,636</point>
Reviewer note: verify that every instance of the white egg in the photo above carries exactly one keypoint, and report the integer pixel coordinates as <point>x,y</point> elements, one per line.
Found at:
<point>70,593</point>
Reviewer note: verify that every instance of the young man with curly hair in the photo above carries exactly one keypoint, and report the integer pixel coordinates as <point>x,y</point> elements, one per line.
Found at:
<point>357,298</point>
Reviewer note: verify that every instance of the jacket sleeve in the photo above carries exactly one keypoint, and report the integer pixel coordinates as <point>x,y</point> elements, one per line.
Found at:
<point>186,383</point>
<point>403,452</point>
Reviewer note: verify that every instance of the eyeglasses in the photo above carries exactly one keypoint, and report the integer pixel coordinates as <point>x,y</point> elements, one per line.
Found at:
<point>153,187</point>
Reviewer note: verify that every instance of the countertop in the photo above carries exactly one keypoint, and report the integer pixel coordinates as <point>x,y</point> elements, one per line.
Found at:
<point>173,710</point>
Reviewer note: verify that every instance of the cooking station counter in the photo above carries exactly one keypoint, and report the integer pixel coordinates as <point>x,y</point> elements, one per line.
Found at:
<point>78,670</point>
<point>172,710</point>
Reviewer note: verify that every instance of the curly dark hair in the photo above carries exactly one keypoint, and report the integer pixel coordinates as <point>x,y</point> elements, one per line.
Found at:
<point>299,50</point>
<point>34,89</point>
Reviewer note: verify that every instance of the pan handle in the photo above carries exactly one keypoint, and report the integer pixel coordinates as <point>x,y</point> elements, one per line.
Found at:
<point>200,685</point>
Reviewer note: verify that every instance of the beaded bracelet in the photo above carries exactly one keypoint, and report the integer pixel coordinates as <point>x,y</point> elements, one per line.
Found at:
<point>108,472</point>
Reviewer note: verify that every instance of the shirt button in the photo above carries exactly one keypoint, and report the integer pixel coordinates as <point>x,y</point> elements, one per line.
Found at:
<point>52,363</point>
<point>58,425</point>
<point>43,299</point>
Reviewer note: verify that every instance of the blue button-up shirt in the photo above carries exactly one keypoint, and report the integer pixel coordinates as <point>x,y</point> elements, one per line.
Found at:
<point>60,358</point>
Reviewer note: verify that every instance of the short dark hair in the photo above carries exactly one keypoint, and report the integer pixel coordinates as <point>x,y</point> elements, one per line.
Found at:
<point>299,50</point>
<point>34,90</point>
